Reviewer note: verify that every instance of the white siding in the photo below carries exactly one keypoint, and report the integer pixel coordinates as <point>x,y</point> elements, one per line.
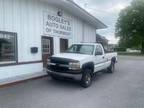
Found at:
<point>89,33</point>
<point>77,30</point>
<point>25,17</point>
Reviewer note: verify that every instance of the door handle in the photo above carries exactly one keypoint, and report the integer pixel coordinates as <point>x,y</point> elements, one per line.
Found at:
<point>103,57</point>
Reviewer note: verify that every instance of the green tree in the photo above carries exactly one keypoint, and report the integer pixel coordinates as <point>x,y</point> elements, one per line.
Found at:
<point>130,25</point>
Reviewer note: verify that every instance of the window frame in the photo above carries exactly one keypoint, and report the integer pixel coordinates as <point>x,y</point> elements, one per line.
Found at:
<point>81,45</point>
<point>99,52</point>
<point>47,48</point>
<point>14,34</point>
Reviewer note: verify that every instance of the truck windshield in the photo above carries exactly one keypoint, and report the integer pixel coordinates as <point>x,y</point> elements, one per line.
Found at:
<point>81,49</point>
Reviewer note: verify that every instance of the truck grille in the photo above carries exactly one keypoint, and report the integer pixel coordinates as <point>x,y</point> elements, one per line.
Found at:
<point>60,64</point>
<point>59,60</point>
<point>58,68</point>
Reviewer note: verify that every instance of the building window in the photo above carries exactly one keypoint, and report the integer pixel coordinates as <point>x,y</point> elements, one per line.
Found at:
<point>8,45</point>
<point>46,46</point>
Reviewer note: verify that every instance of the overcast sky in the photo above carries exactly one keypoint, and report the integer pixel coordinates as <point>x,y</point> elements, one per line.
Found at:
<point>107,11</point>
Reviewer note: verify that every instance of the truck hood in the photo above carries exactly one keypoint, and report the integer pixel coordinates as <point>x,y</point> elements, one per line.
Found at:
<point>73,56</point>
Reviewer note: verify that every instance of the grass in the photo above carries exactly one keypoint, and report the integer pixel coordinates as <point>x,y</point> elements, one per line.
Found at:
<point>130,54</point>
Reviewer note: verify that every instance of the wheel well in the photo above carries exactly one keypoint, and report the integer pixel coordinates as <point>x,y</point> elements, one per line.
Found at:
<point>89,65</point>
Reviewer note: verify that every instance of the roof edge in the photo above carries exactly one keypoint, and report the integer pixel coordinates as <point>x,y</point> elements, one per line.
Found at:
<point>104,25</point>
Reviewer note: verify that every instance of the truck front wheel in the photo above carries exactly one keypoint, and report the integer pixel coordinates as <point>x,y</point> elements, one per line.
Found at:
<point>86,80</point>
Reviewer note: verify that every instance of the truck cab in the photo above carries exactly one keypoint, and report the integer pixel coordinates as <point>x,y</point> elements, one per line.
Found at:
<point>82,61</point>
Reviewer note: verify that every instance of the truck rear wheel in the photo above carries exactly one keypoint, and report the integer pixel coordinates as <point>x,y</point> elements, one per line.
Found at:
<point>86,80</point>
<point>111,68</point>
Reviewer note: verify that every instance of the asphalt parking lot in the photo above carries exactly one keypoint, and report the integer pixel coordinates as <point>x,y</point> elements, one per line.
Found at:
<point>122,89</point>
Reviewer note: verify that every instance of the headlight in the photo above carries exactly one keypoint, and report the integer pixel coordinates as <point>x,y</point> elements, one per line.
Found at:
<point>74,65</point>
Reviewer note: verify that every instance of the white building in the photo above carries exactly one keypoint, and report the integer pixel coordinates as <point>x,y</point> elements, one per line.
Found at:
<point>32,30</point>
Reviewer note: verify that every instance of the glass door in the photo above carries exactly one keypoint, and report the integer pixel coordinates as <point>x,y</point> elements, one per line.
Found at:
<point>47,49</point>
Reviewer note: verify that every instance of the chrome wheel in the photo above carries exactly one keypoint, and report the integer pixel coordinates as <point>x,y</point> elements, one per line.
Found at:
<point>86,78</point>
<point>111,68</point>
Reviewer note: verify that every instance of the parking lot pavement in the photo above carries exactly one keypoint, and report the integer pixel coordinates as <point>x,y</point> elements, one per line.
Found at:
<point>122,89</point>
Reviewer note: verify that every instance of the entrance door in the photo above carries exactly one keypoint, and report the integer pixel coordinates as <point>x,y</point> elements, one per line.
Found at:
<point>63,45</point>
<point>47,49</point>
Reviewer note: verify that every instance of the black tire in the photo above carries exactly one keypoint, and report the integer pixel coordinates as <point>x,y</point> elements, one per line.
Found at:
<point>86,80</point>
<point>111,68</point>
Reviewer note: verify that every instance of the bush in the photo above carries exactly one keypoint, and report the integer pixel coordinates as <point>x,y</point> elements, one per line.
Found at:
<point>120,49</point>
<point>130,54</point>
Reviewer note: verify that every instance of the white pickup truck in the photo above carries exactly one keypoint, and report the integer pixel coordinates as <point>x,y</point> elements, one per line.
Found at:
<point>82,61</point>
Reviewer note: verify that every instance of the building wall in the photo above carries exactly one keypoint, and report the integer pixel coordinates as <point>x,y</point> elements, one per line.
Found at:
<point>89,33</point>
<point>25,17</point>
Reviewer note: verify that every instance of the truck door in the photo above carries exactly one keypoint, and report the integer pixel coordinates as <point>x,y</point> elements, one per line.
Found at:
<point>99,58</point>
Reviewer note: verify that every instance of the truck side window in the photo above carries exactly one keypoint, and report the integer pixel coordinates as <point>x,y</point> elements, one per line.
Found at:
<point>98,50</point>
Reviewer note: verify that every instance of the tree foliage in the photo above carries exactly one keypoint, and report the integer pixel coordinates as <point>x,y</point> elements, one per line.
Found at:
<point>130,25</point>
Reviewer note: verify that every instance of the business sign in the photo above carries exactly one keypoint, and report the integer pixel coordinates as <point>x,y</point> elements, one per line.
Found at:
<point>56,25</point>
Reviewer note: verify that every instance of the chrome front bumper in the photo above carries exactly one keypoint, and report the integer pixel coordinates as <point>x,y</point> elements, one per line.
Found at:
<point>68,75</point>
